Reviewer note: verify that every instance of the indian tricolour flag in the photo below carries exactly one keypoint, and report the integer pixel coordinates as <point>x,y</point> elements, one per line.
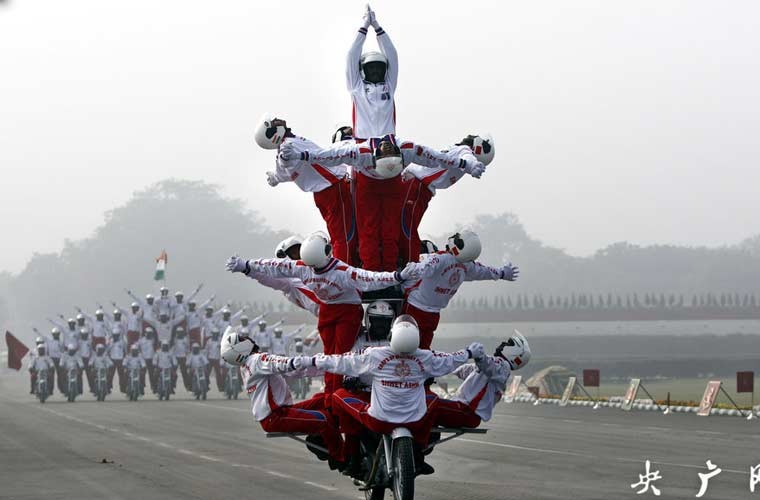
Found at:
<point>160,266</point>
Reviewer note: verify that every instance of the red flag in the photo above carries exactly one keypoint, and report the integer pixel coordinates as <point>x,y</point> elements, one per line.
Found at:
<point>16,351</point>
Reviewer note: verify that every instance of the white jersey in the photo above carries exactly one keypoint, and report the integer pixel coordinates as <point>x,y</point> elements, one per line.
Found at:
<point>196,361</point>
<point>181,347</point>
<point>336,283</point>
<point>398,392</point>
<point>441,276</point>
<point>85,349</point>
<point>194,320</point>
<point>448,166</point>
<point>69,361</point>
<point>164,306</point>
<point>117,349</point>
<point>37,362</point>
<point>54,348</point>
<point>135,321</point>
<point>100,330</point>
<point>212,349</point>
<point>311,173</point>
<point>71,336</point>
<point>99,362</point>
<point>483,385</point>
<point>293,289</point>
<point>263,339</point>
<point>147,347</point>
<point>265,383</point>
<point>131,362</point>
<point>164,360</point>
<point>374,105</point>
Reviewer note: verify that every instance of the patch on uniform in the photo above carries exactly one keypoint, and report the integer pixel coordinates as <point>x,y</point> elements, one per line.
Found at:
<point>402,370</point>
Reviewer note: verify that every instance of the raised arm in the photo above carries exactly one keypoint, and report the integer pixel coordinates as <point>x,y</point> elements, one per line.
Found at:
<point>295,332</point>
<point>280,268</point>
<point>235,316</point>
<point>389,50</point>
<point>143,304</point>
<point>61,326</point>
<point>203,305</point>
<point>353,76</point>
<point>195,292</point>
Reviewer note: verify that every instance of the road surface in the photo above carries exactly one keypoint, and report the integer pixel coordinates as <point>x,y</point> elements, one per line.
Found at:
<point>214,450</point>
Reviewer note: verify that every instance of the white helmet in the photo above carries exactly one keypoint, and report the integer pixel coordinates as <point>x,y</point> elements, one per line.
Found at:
<point>373,74</point>
<point>244,332</point>
<point>285,245</point>
<point>405,335</point>
<point>39,340</point>
<point>99,312</point>
<point>378,319</point>
<point>55,331</point>
<point>236,349</point>
<point>316,250</point>
<point>464,245</point>
<point>483,148</point>
<point>268,134</point>
<point>515,351</point>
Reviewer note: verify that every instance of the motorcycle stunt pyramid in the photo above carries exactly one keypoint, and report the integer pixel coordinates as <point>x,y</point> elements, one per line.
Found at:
<point>372,189</point>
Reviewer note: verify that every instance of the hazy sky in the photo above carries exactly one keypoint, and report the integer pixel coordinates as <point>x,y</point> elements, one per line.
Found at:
<point>613,121</point>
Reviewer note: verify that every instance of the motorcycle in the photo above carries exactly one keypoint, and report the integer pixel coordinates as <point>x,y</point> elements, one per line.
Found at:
<point>232,385</point>
<point>42,385</point>
<point>101,384</point>
<point>72,384</point>
<point>134,389</point>
<point>388,460</point>
<point>165,384</point>
<point>200,383</point>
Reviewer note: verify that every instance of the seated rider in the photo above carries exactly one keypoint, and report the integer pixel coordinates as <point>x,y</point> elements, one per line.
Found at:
<point>271,401</point>
<point>398,398</point>
<point>483,386</point>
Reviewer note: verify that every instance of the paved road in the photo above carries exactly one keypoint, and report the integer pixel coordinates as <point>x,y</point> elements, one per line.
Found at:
<point>213,449</point>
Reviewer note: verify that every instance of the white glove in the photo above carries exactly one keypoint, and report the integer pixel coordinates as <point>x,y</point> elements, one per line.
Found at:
<point>476,350</point>
<point>289,153</point>
<point>236,264</point>
<point>409,272</point>
<point>407,175</point>
<point>510,272</point>
<point>475,169</point>
<point>299,362</point>
<point>272,179</point>
<point>368,17</point>
<point>372,17</point>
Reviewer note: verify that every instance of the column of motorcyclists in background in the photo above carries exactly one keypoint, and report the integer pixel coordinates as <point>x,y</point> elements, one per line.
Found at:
<point>156,336</point>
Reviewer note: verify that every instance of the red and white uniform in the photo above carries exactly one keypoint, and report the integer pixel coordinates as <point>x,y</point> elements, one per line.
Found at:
<point>374,105</point>
<point>211,351</point>
<point>398,392</point>
<point>337,288</point>
<point>431,169</point>
<point>441,275</point>
<point>272,403</point>
<point>134,325</point>
<point>324,172</point>
<point>483,387</point>
<point>293,289</point>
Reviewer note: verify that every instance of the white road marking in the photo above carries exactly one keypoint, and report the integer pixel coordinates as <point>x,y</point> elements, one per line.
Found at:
<point>186,451</point>
<point>321,486</point>
<point>593,457</point>
<point>571,421</point>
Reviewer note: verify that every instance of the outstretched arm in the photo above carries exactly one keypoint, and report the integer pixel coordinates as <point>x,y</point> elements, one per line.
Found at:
<point>443,363</point>
<point>475,271</point>
<point>344,364</point>
<point>203,305</point>
<point>366,281</point>
<point>295,332</point>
